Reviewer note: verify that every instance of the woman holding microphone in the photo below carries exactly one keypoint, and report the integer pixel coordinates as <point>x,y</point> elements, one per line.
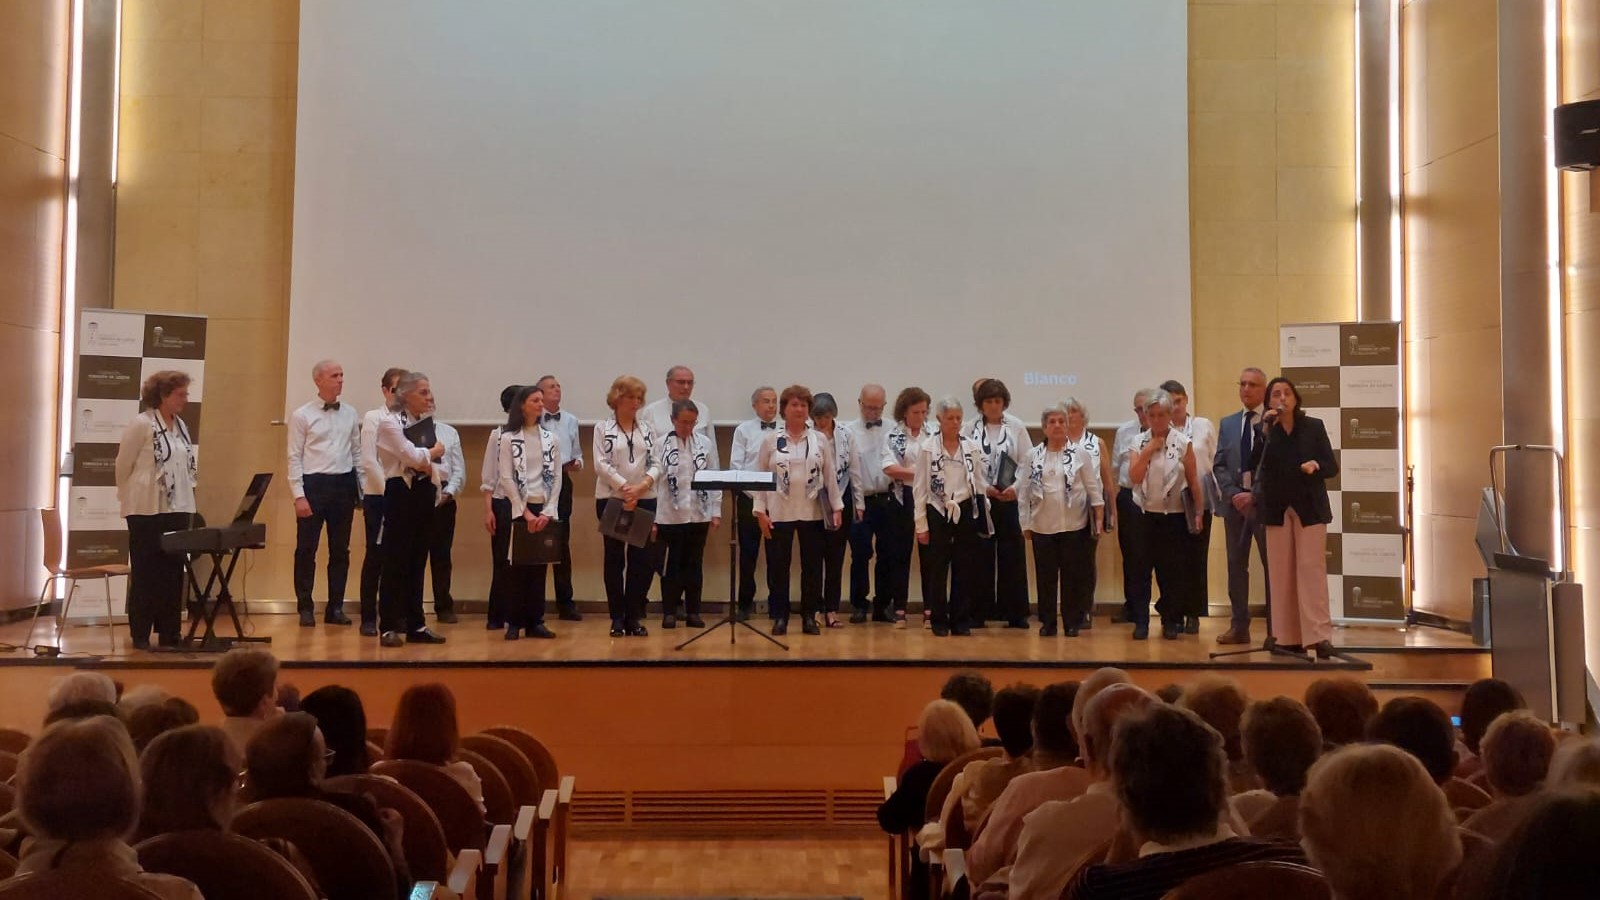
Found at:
<point>626,467</point>
<point>156,474</point>
<point>947,501</point>
<point>1295,461</point>
<point>530,470</point>
<point>1061,499</point>
<point>807,490</point>
<point>1161,468</point>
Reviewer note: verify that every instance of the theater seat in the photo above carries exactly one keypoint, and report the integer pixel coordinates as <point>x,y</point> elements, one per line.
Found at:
<point>60,886</point>
<point>349,861</point>
<point>427,853</point>
<point>224,866</point>
<point>1255,881</point>
<point>14,741</point>
<point>463,823</point>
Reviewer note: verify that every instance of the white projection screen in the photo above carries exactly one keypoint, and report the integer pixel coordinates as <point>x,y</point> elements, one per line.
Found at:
<point>826,192</point>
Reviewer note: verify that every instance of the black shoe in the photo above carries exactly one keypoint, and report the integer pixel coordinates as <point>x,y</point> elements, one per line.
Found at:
<point>308,619</point>
<point>962,631</point>
<point>809,626</point>
<point>743,615</point>
<point>1191,625</point>
<point>617,630</point>
<point>1120,618</point>
<point>858,617</point>
<point>694,622</point>
<point>424,636</point>
<point>1141,632</point>
<point>448,617</point>
<point>570,615</point>
<point>494,624</point>
<point>539,631</point>
<point>1324,649</point>
<point>141,643</point>
<point>941,631</point>
<point>883,616</point>
<point>1018,623</point>
<point>1088,621</point>
<point>1072,631</point>
<point>780,627</point>
<point>369,629</point>
<point>669,621</point>
<point>977,623</point>
<point>638,631</point>
<point>1048,629</point>
<point>392,639</point>
<point>1171,632</point>
<point>336,617</point>
<point>513,633</point>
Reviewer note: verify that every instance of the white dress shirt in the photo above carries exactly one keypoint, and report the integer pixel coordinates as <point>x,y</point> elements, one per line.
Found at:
<point>867,474</point>
<point>747,443</point>
<point>322,441</point>
<point>1164,480</point>
<point>680,503</point>
<point>1056,488</point>
<point>449,473</point>
<point>1009,437</point>
<point>1056,836</point>
<point>806,477</point>
<point>530,470</point>
<point>397,456</point>
<point>564,426</point>
<point>945,480</point>
<point>1122,451</point>
<point>624,456</point>
<point>367,462</point>
<point>156,467</point>
<point>659,416</point>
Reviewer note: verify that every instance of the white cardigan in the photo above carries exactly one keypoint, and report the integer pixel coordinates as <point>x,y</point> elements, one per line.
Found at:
<point>138,477</point>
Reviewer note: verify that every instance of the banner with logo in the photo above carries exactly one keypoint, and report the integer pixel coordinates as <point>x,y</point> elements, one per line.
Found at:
<point>117,351</point>
<point>1348,375</point>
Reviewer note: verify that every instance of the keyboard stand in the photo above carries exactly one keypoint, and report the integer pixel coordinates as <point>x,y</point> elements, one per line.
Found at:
<point>223,563</point>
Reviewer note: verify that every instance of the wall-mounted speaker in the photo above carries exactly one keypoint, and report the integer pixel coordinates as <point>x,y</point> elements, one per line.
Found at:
<point>1577,132</point>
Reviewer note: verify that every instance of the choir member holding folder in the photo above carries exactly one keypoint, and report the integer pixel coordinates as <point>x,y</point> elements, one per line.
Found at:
<point>1060,495</point>
<point>685,516</point>
<point>807,494</point>
<point>900,449</point>
<point>1166,486</point>
<point>841,443</point>
<point>530,476</point>
<point>407,450</point>
<point>1001,579</point>
<point>627,468</point>
<point>949,505</point>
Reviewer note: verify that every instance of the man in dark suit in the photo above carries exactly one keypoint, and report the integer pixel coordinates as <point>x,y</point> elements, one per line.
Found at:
<point>1237,438</point>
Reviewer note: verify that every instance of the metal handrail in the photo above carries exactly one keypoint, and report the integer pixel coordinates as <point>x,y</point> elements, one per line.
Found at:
<point>1564,537</point>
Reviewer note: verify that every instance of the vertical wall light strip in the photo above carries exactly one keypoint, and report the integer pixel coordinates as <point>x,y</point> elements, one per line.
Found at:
<point>1397,266</point>
<point>69,258</point>
<point>1556,305</point>
<point>116,91</point>
<point>1358,44</point>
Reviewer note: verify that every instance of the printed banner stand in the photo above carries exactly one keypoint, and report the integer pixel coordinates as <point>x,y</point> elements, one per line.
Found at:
<point>1348,375</point>
<point>117,350</point>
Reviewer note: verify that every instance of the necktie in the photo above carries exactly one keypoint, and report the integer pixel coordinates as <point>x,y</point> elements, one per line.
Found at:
<point>1247,440</point>
<point>769,426</point>
<point>552,417</point>
<point>877,424</point>
<point>334,406</point>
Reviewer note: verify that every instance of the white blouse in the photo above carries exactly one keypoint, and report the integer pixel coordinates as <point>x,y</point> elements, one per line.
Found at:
<point>946,480</point>
<point>680,503</point>
<point>808,483</point>
<point>397,456</point>
<point>1164,481</point>
<point>156,466</point>
<point>1056,488</point>
<point>900,448</point>
<point>530,470</point>
<point>1009,438</point>
<point>843,447</point>
<point>624,456</point>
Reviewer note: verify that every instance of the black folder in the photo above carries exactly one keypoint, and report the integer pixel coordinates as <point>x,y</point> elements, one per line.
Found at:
<point>537,548</point>
<point>423,433</point>
<point>631,526</point>
<point>1006,476</point>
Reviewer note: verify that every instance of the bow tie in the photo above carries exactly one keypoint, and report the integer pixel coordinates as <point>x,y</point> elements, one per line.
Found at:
<point>334,406</point>
<point>769,426</point>
<point>877,424</point>
<point>552,417</point>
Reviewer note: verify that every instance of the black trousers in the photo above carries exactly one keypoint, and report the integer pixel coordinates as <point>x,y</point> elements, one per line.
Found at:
<point>1168,547</point>
<point>155,584</point>
<point>780,554</point>
<point>684,578</point>
<point>523,586</point>
<point>407,518</point>
<point>834,543</point>
<point>628,573</point>
<point>894,556</point>
<point>1001,582</point>
<point>333,501</point>
<point>563,569</point>
<point>874,526</point>
<point>1063,566</point>
<point>441,542</point>
<point>499,550</point>
<point>1136,564</point>
<point>372,563</point>
<point>749,549</point>
<point>950,560</point>
<point>1197,569</point>
<point>1239,532</point>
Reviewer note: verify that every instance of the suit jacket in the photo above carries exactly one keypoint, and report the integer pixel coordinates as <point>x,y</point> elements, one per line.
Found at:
<point>1226,467</point>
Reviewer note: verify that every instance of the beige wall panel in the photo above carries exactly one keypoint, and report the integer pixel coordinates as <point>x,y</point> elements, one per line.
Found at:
<point>1459,78</point>
<point>1235,248</point>
<point>1316,194</point>
<point>33,74</point>
<point>1315,298</point>
<point>1232,139</point>
<point>157,264</point>
<point>1231,299</point>
<point>1315,248</point>
<point>1233,85</point>
<point>256,21</point>
<point>1233,31</point>
<point>30,234</point>
<point>1236,194</point>
<point>1465,421</point>
<point>161,69</point>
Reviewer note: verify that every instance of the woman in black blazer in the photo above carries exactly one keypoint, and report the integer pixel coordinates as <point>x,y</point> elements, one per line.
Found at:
<point>1294,463</point>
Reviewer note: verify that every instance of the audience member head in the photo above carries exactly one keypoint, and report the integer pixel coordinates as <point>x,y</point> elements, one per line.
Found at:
<point>1100,718</point>
<point>1281,741</point>
<point>1098,680</point>
<point>1170,693</point>
<point>1013,718</point>
<point>285,758</point>
<point>1220,703</point>
<point>1550,855</point>
<point>1421,728</point>
<point>1373,820</point>
<point>944,732</point>
<point>1167,767</point>
<point>1516,753</point>
<point>83,709</point>
<point>79,781</point>
<point>1485,700</point>
<point>343,722</point>
<point>143,695</point>
<point>245,683</point>
<point>1053,737</point>
<point>189,775</point>
<point>425,726</point>
<point>1576,763</point>
<point>150,721</point>
<point>80,686</point>
<point>972,692</point>
<point>1342,708</point>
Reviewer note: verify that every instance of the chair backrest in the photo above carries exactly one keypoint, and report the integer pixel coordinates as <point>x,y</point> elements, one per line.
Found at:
<point>8,865</point>
<point>14,741</point>
<point>459,816</point>
<point>8,798</point>
<point>8,765</point>
<point>512,763</point>
<point>1472,877</point>
<point>947,777</point>
<point>349,861</point>
<point>379,736</point>
<point>50,519</point>
<point>427,854</point>
<point>499,805</point>
<point>1255,881</point>
<point>225,866</point>
<point>61,885</point>
<point>544,763</point>
<point>375,753</point>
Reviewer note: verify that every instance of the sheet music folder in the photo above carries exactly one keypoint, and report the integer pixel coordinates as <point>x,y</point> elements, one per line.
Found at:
<point>537,548</point>
<point>631,526</point>
<point>734,480</point>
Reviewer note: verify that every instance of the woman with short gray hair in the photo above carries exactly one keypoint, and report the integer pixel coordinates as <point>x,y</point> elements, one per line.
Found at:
<point>948,504</point>
<point>1060,499</point>
<point>1161,468</point>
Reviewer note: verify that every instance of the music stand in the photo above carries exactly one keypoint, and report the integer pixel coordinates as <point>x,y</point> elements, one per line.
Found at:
<point>733,481</point>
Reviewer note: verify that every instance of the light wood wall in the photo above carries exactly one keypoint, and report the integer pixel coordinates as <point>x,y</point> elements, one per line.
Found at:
<point>1452,220</point>
<point>205,217</point>
<point>33,105</point>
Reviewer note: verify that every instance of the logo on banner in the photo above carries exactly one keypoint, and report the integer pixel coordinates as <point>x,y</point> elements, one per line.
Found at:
<point>109,377</point>
<point>1318,386</point>
<point>1370,428</point>
<point>1309,346</point>
<point>1368,597</point>
<point>108,333</point>
<point>175,337</point>
<point>1370,344</point>
<point>1376,386</point>
<point>1370,513</point>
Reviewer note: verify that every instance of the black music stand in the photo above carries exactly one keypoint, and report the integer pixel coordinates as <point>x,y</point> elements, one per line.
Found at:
<point>733,481</point>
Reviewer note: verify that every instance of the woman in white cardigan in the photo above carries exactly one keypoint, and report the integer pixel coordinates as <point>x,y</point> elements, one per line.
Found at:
<point>1060,500</point>
<point>156,468</point>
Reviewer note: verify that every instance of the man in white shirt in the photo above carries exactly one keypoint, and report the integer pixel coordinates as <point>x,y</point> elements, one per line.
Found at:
<point>872,514</point>
<point>324,436</point>
<point>1203,437</point>
<point>564,425</point>
<point>450,473</point>
<point>1136,566</point>
<point>746,448</point>
<point>1236,442</point>
<point>371,474</point>
<point>658,415</point>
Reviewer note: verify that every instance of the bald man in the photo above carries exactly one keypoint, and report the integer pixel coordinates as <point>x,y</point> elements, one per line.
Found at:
<point>871,519</point>
<point>658,415</point>
<point>324,439</point>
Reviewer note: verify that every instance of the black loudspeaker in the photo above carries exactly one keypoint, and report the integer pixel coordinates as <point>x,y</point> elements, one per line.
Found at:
<point>1577,132</point>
